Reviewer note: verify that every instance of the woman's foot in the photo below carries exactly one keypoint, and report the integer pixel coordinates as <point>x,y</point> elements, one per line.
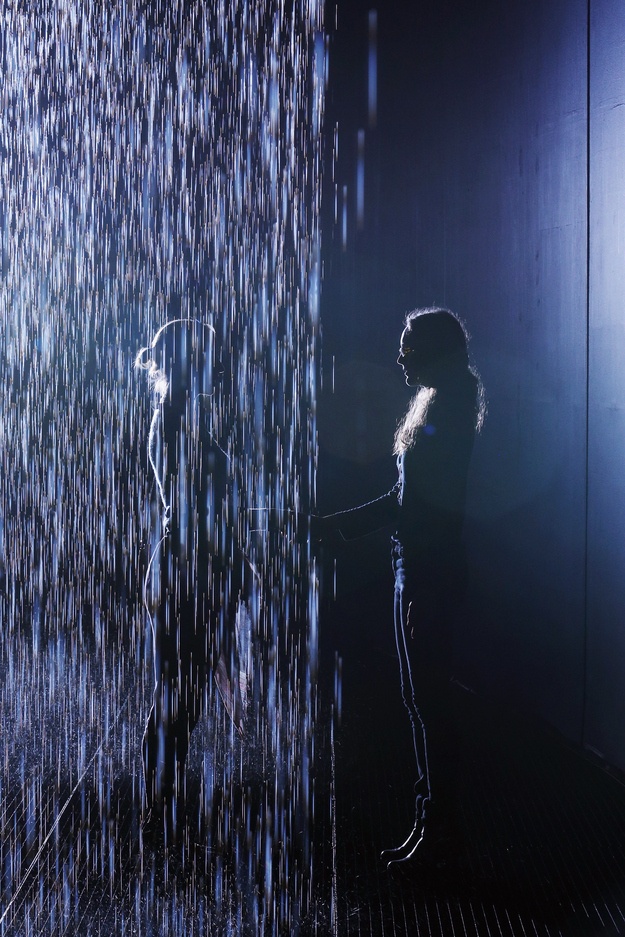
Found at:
<point>435,840</point>
<point>415,837</point>
<point>406,850</point>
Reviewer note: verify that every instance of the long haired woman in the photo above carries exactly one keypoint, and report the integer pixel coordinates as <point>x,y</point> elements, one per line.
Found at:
<point>199,578</point>
<point>433,445</point>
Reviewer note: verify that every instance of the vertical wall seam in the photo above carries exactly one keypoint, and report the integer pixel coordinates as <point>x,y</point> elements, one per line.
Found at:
<point>585,622</point>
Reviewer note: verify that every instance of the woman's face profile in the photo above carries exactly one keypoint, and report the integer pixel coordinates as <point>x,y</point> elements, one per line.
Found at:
<point>413,359</point>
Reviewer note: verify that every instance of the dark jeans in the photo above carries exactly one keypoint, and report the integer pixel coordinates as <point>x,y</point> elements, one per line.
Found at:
<point>424,620</point>
<point>192,627</point>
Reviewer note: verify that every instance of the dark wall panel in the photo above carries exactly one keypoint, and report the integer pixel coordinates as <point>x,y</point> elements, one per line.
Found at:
<point>515,266</point>
<point>605,723</point>
<point>475,179</point>
<point>476,183</point>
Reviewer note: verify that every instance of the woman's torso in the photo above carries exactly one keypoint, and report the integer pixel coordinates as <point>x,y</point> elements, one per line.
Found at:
<point>195,475</point>
<point>428,544</point>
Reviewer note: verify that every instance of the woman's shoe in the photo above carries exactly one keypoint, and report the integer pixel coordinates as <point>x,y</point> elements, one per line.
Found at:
<point>406,850</point>
<point>440,847</point>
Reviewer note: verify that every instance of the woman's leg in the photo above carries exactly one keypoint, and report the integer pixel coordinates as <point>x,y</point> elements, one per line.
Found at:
<point>423,634</point>
<point>180,663</point>
<point>407,651</point>
<point>419,737</point>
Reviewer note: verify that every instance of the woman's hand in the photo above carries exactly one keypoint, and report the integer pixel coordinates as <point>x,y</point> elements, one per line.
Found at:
<point>324,529</point>
<point>300,527</point>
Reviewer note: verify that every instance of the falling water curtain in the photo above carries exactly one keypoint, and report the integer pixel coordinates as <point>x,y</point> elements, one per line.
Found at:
<point>156,160</point>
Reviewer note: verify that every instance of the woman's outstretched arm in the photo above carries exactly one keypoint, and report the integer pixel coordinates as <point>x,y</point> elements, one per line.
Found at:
<point>358,521</point>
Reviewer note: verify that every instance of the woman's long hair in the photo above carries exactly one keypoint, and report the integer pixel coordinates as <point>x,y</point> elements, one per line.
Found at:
<point>167,359</point>
<point>444,336</point>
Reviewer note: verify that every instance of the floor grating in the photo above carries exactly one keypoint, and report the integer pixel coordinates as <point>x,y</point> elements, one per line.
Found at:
<point>545,829</point>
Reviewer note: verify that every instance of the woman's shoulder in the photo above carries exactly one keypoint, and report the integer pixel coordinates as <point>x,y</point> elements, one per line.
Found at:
<point>444,435</point>
<point>452,414</point>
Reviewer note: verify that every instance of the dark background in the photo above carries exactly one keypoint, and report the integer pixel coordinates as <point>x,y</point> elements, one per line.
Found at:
<point>494,184</point>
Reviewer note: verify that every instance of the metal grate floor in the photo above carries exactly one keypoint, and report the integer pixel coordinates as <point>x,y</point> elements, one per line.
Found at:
<point>545,829</point>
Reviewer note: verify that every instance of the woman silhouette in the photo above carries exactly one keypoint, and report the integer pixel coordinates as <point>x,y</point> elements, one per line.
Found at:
<point>433,445</point>
<point>198,577</point>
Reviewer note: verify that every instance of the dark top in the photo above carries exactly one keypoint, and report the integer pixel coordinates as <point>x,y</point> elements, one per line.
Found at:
<point>427,504</point>
<point>198,493</point>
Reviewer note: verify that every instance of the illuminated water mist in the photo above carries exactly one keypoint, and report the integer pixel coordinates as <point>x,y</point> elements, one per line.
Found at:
<point>156,160</point>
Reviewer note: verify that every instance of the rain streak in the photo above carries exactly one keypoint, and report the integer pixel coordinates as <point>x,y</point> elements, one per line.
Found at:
<point>157,161</point>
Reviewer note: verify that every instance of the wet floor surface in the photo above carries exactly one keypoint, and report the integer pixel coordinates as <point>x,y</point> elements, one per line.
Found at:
<point>544,829</point>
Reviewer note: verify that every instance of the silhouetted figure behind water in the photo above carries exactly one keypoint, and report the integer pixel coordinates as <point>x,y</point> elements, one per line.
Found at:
<point>433,445</point>
<point>199,578</point>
